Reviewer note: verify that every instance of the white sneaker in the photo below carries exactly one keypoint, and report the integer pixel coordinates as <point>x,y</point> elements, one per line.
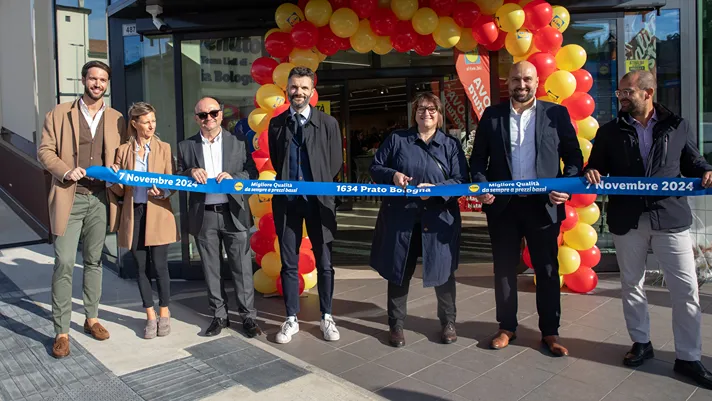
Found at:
<point>289,328</point>
<point>328,327</point>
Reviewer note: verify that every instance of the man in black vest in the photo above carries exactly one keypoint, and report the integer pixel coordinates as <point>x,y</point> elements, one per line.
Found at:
<point>305,145</point>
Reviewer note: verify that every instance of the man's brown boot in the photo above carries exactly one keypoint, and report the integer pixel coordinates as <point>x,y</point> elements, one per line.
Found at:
<point>502,339</point>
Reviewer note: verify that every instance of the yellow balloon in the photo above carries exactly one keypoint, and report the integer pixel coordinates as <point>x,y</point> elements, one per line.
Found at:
<point>344,22</point>
<point>271,264</point>
<point>586,147</point>
<point>519,43</point>
<point>264,284</point>
<point>304,230</point>
<point>448,33</point>
<point>270,96</point>
<point>560,85</point>
<point>548,98</point>
<point>258,120</point>
<point>321,56</point>
<point>467,42</point>
<point>589,214</point>
<point>276,246</point>
<point>581,237</point>
<point>569,259</point>
<point>561,18</point>
<point>587,128</point>
<point>267,175</point>
<point>259,206</point>
<point>509,17</point>
<point>318,12</point>
<point>489,7</point>
<point>524,2</point>
<point>256,220</point>
<point>281,74</point>
<point>288,15</point>
<point>271,31</point>
<point>309,280</point>
<point>383,45</point>
<point>404,9</point>
<point>570,58</point>
<point>425,20</point>
<point>364,39</point>
<point>561,280</point>
<point>304,58</point>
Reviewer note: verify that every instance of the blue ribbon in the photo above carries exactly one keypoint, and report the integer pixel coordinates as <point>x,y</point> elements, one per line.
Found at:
<point>651,186</point>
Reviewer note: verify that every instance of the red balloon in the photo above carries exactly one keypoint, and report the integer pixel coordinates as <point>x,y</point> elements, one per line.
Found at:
<point>545,64</point>
<point>364,8</point>
<point>560,239</point>
<point>266,166</point>
<point>484,30</point>
<point>328,44</point>
<point>307,261</point>
<point>541,89</point>
<point>306,243</point>
<point>527,257</point>
<point>443,7</point>
<point>583,280</point>
<point>404,37</point>
<point>266,224</point>
<point>314,99</point>
<point>575,124</point>
<point>263,141</point>
<point>570,220</point>
<point>302,3</point>
<point>305,35</point>
<point>425,45</point>
<point>345,43</point>
<point>262,69</point>
<point>383,22</point>
<point>262,243</point>
<point>581,200</point>
<point>584,80</point>
<point>580,105</point>
<point>258,259</point>
<point>254,101</point>
<point>537,14</point>
<point>499,43</point>
<point>260,154</point>
<point>279,44</point>
<point>465,14</point>
<point>337,4</point>
<point>280,109</point>
<point>590,257</point>
<point>280,289</point>
<point>548,39</point>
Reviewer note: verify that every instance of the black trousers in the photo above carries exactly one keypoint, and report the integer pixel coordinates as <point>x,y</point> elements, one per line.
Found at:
<point>147,257</point>
<point>398,294</point>
<point>526,217</point>
<point>300,211</point>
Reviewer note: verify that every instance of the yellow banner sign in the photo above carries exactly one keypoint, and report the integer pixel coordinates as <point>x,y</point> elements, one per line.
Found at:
<point>324,106</point>
<point>637,65</point>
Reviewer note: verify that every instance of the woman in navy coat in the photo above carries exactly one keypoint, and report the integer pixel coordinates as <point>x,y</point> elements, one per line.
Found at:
<point>408,227</point>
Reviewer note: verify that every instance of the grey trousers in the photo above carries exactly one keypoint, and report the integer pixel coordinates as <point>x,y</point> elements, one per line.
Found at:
<point>219,227</point>
<point>88,222</point>
<point>674,252</point>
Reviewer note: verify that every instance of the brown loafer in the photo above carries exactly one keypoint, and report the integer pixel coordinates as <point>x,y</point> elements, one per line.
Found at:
<point>97,331</point>
<point>60,349</point>
<point>552,342</point>
<point>502,339</point>
<point>449,335</point>
<point>396,337</point>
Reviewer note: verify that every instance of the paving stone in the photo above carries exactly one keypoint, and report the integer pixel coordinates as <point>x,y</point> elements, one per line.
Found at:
<point>268,375</point>
<point>221,346</point>
<point>9,390</point>
<point>236,362</point>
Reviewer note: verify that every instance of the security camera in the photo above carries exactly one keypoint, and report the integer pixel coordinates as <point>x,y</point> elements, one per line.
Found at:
<point>155,11</point>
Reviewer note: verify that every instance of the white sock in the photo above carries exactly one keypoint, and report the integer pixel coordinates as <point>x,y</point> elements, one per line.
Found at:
<point>327,315</point>
<point>292,319</point>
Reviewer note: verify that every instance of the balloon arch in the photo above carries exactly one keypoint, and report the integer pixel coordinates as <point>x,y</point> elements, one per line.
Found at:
<point>313,30</point>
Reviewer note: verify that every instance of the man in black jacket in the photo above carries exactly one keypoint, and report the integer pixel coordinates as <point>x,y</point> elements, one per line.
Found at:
<point>648,140</point>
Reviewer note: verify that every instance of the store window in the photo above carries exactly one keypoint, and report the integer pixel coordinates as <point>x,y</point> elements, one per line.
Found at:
<point>82,36</point>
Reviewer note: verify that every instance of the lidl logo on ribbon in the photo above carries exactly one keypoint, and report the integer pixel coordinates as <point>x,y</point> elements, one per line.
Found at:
<point>472,57</point>
<point>238,186</point>
<point>474,188</point>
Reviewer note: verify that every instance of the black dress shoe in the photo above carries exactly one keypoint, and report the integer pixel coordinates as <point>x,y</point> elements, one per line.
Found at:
<point>638,354</point>
<point>216,326</point>
<point>695,371</point>
<point>251,328</point>
<point>448,335</point>
<point>396,337</point>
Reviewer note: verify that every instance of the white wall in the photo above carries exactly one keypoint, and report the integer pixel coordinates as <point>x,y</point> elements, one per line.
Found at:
<point>46,67</point>
<point>17,68</point>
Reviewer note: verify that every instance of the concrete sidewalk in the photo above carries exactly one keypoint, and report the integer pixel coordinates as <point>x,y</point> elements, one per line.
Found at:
<point>181,366</point>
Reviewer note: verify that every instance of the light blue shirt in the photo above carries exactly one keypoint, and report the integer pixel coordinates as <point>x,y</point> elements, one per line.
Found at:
<point>303,116</point>
<point>141,165</point>
<point>645,135</point>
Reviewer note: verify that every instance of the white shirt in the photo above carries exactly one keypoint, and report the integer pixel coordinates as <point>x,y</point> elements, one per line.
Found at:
<point>303,116</point>
<point>141,164</point>
<point>93,123</point>
<point>523,142</point>
<point>213,159</point>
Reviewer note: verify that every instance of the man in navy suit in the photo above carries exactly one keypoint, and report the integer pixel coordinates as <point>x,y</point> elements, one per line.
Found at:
<point>524,139</point>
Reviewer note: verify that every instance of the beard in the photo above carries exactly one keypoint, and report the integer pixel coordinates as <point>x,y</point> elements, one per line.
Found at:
<point>631,107</point>
<point>91,95</point>
<point>298,102</point>
<point>522,96</point>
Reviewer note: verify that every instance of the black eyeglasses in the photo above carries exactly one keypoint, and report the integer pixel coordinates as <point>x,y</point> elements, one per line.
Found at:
<point>203,115</point>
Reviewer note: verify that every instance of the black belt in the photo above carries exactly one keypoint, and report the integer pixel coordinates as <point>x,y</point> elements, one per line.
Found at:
<point>218,208</point>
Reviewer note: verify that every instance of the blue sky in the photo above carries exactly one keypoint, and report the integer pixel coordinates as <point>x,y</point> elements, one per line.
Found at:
<point>97,19</point>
